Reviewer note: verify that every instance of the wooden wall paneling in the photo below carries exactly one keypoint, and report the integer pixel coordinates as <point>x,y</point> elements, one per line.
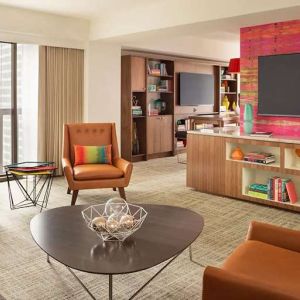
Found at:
<point>138,73</point>
<point>190,67</point>
<point>233,179</point>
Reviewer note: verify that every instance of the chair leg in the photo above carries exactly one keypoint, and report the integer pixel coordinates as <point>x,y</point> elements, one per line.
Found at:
<point>74,197</point>
<point>122,192</point>
<point>114,189</point>
<point>68,191</point>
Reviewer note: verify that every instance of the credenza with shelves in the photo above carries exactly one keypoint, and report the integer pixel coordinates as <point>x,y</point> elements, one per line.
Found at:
<point>211,169</point>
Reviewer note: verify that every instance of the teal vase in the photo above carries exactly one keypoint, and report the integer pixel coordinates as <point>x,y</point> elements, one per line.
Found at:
<point>248,118</point>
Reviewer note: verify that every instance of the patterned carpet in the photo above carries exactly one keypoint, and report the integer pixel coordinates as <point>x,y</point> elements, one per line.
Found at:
<point>26,275</point>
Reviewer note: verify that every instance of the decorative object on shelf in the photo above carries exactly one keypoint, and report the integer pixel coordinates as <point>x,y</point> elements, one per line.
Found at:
<point>136,109</point>
<point>234,106</point>
<point>248,118</point>
<point>297,151</point>
<point>114,220</point>
<point>160,105</point>
<point>234,66</point>
<point>225,102</point>
<point>152,88</point>
<point>237,154</point>
<point>135,140</point>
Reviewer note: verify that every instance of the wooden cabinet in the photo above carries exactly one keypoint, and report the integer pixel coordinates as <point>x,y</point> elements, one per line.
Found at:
<point>159,134</point>
<point>166,138</point>
<point>205,168</point>
<point>138,73</point>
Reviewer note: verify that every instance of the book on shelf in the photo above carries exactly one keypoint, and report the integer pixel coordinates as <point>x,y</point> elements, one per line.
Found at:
<point>261,133</point>
<point>260,157</point>
<point>258,195</point>
<point>157,69</point>
<point>136,111</point>
<point>291,191</point>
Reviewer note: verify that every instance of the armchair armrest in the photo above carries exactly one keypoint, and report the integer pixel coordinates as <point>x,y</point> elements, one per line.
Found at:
<point>67,169</point>
<point>274,235</point>
<point>221,284</point>
<point>125,166</point>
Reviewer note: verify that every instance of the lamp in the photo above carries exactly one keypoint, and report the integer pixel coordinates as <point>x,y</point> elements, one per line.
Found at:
<point>234,66</point>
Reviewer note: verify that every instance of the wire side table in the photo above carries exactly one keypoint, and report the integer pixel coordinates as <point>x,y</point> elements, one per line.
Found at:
<point>34,180</point>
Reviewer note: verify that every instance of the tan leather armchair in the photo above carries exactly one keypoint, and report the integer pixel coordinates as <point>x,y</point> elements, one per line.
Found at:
<point>93,176</point>
<point>265,267</point>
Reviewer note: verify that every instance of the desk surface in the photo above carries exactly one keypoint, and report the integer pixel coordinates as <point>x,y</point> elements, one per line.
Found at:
<point>235,132</point>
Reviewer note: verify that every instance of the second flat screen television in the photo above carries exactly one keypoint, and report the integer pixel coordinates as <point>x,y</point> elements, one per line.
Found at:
<point>196,89</point>
<point>279,85</point>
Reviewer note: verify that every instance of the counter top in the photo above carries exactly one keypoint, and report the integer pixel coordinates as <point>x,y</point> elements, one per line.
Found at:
<point>234,132</point>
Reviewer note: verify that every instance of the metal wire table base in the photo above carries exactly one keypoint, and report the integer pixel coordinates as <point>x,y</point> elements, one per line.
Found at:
<point>110,277</point>
<point>37,196</point>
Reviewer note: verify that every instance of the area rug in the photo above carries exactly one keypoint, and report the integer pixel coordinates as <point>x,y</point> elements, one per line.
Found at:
<point>25,274</point>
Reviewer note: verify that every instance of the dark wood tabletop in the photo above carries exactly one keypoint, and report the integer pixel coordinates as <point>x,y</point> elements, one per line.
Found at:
<point>63,235</point>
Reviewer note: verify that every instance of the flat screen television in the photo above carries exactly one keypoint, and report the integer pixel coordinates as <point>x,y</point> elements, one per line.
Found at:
<point>279,85</point>
<point>196,89</point>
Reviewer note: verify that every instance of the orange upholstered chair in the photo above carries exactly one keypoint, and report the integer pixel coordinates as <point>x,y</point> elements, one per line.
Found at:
<point>264,267</point>
<point>93,176</point>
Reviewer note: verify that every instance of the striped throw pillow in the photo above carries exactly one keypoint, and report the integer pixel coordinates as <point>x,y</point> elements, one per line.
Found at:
<point>92,155</point>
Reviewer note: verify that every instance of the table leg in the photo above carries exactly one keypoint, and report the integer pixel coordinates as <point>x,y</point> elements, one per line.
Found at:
<point>192,260</point>
<point>48,258</point>
<point>110,287</point>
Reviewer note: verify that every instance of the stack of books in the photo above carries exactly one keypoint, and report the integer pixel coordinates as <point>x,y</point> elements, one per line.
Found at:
<point>258,191</point>
<point>153,112</point>
<point>163,86</point>
<point>260,157</point>
<point>137,111</point>
<point>158,69</point>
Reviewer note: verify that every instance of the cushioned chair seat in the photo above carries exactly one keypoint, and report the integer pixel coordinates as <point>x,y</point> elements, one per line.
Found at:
<point>96,171</point>
<point>272,266</point>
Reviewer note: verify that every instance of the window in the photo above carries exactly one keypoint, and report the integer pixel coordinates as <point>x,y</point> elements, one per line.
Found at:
<point>18,102</point>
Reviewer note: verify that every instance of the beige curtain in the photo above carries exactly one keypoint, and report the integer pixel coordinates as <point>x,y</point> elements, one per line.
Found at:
<point>61,73</point>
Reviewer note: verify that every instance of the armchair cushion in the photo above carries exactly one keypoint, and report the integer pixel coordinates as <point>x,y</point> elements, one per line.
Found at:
<point>92,154</point>
<point>97,171</point>
<point>268,264</point>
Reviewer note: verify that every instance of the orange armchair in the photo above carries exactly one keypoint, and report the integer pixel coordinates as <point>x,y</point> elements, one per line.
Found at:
<point>93,176</point>
<point>265,267</point>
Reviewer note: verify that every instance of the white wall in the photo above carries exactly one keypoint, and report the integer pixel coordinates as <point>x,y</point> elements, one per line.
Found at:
<point>103,83</point>
<point>103,76</point>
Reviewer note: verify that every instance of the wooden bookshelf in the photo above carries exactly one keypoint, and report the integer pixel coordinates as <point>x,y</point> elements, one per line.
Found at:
<point>232,86</point>
<point>156,134</point>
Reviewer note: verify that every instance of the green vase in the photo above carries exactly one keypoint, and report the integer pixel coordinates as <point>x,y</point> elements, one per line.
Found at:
<point>248,118</point>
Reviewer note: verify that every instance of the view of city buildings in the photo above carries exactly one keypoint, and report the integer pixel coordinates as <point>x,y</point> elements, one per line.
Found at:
<point>27,55</point>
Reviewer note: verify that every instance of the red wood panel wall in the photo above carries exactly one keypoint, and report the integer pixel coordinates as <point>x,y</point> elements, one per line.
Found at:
<point>269,39</point>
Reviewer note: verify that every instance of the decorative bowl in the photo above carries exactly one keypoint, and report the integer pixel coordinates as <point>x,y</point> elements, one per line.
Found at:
<point>114,220</point>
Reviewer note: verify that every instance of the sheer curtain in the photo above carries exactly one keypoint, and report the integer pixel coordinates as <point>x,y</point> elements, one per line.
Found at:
<point>27,98</point>
<point>61,72</point>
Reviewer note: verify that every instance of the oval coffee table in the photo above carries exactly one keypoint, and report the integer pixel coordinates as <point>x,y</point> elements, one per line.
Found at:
<point>166,232</point>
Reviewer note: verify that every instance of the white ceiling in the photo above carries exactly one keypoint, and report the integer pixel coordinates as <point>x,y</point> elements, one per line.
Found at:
<point>86,9</point>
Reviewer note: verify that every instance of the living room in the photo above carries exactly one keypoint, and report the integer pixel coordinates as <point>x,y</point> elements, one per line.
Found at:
<point>149,150</point>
